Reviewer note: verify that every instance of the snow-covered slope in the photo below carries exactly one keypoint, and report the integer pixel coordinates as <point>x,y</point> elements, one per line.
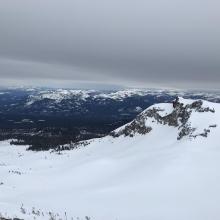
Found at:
<point>162,166</point>
<point>191,118</point>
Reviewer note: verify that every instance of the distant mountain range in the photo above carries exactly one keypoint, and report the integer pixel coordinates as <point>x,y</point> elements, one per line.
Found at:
<point>44,101</point>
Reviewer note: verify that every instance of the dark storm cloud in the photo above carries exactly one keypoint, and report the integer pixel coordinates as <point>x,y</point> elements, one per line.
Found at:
<point>125,42</point>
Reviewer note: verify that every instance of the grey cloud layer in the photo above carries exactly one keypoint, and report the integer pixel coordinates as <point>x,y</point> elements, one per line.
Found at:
<point>141,42</point>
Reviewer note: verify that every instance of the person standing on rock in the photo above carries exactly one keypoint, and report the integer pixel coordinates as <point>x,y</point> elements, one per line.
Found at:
<point>175,102</point>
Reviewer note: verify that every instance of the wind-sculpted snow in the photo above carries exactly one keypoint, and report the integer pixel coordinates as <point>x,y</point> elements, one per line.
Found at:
<point>147,175</point>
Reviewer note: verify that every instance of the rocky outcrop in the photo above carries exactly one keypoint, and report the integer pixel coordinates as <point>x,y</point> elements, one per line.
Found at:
<point>2,218</point>
<point>179,118</point>
<point>136,126</point>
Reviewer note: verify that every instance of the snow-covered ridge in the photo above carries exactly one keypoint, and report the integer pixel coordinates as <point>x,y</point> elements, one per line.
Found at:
<point>62,94</point>
<point>119,95</point>
<point>58,95</point>
<point>192,118</point>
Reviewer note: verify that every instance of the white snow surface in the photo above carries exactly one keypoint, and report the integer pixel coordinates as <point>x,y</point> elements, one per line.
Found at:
<point>152,176</point>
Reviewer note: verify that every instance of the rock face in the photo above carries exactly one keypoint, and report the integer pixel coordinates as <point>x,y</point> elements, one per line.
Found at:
<point>2,218</point>
<point>179,117</point>
<point>136,126</point>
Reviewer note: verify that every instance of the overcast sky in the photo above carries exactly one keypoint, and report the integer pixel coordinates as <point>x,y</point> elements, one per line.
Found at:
<point>139,43</point>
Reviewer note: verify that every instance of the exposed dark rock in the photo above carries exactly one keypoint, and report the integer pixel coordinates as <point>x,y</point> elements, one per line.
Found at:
<point>136,126</point>
<point>185,131</point>
<point>70,146</point>
<point>197,105</point>
<point>2,218</point>
<point>212,126</point>
<point>204,134</point>
<point>179,117</point>
<point>175,102</point>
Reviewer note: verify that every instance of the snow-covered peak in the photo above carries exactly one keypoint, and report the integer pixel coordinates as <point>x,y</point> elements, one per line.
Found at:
<point>121,94</point>
<point>191,118</point>
<point>59,95</point>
